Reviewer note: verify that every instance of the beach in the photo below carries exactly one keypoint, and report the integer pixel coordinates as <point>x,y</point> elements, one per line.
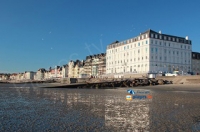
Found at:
<point>174,107</point>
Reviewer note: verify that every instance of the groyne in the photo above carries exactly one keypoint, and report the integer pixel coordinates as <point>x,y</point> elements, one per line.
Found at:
<point>112,83</point>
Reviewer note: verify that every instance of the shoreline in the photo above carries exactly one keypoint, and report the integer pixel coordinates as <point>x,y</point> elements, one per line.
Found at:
<point>165,87</point>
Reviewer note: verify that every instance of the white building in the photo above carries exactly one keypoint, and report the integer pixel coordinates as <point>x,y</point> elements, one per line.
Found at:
<point>150,52</point>
<point>64,71</point>
<point>29,75</point>
<point>40,74</point>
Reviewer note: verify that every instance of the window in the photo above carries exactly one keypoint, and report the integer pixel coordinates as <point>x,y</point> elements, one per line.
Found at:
<point>152,35</point>
<point>152,50</point>
<point>169,44</point>
<point>156,50</point>
<point>124,47</point>
<point>160,43</point>
<point>151,41</point>
<point>138,51</point>
<point>146,42</point>
<point>138,44</point>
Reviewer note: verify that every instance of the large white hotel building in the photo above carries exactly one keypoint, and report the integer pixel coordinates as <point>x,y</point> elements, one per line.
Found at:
<point>150,52</point>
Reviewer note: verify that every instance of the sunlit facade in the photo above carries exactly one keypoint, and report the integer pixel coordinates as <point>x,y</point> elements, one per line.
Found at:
<point>150,52</point>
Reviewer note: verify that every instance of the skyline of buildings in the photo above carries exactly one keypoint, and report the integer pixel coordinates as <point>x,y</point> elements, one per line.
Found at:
<point>149,52</point>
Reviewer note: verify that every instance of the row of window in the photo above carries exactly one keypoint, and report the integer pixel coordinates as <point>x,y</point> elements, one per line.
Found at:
<point>146,58</point>
<point>169,44</point>
<point>156,49</point>
<point>175,53</point>
<point>169,51</point>
<point>181,40</point>
<point>137,68</point>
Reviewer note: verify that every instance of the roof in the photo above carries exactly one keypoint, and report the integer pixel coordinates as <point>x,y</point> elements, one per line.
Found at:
<point>154,32</point>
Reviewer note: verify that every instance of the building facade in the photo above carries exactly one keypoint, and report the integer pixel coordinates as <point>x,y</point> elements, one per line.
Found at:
<point>195,63</point>
<point>95,65</point>
<point>74,68</point>
<point>150,52</point>
<point>29,75</point>
<point>64,71</point>
<point>40,74</point>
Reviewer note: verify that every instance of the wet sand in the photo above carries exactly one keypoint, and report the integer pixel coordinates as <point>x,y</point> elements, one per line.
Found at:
<point>27,108</point>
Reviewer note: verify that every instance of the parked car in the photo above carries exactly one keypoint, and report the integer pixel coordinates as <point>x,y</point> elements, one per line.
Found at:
<point>171,74</point>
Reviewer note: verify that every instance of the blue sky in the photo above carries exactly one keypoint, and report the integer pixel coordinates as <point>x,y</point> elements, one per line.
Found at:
<point>42,33</point>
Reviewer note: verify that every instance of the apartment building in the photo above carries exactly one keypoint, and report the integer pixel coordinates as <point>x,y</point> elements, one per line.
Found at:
<point>196,63</point>
<point>149,52</point>
<point>29,75</point>
<point>74,68</point>
<point>95,65</point>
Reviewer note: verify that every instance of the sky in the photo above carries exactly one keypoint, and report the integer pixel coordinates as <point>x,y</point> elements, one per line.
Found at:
<point>44,33</point>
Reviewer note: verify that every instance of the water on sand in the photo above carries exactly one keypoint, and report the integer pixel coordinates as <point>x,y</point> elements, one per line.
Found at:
<point>26,108</point>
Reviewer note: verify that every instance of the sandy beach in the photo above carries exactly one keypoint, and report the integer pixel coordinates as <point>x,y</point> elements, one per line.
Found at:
<point>174,107</point>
